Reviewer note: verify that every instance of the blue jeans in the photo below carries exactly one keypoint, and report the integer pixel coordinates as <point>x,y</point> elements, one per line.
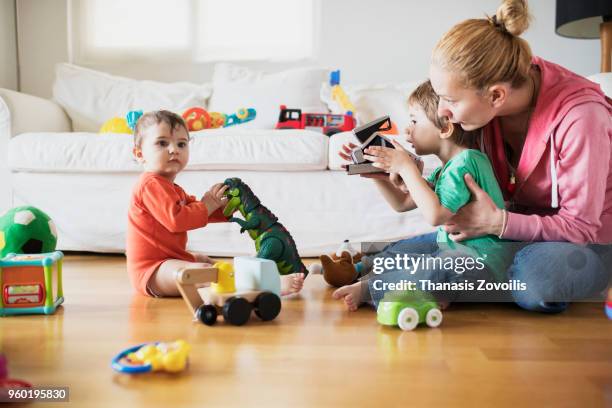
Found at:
<point>427,249</point>
<point>554,273</point>
<point>421,244</point>
<point>557,273</point>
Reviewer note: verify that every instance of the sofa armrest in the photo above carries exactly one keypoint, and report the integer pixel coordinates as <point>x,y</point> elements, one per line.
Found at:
<point>20,113</point>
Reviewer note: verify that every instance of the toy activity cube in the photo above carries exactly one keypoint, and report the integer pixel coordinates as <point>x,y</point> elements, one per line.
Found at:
<point>28,283</point>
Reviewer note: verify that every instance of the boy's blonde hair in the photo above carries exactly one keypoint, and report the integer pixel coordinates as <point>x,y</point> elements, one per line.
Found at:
<point>171,119</point>
<point>486,51</point>
<point>425,97</point>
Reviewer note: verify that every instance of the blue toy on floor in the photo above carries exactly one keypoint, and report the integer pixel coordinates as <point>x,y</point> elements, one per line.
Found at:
<point>608,306</point>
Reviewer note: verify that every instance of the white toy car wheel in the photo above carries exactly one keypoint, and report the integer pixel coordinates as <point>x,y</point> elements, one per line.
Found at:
<point>433,318</point>
<point>408,319</point>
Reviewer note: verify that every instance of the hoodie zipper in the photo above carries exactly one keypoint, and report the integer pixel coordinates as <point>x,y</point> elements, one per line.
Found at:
<point>512,185</point>
<point>554,190</point>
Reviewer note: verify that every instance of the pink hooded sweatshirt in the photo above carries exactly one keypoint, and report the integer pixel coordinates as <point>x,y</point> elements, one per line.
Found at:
<point>563,188</point>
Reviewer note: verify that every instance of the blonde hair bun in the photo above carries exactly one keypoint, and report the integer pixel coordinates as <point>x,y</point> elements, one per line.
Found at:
<point>486,51</point>
<point>513,16</point>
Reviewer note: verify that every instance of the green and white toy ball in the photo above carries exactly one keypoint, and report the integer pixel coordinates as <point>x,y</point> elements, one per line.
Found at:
<point>26,230</point>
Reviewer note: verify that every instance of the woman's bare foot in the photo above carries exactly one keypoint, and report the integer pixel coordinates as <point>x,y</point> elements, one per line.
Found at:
<point>351,294</point>
<point>291,283</point>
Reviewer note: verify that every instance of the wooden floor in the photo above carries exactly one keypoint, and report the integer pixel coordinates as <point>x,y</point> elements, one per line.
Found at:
<point>314,354</point>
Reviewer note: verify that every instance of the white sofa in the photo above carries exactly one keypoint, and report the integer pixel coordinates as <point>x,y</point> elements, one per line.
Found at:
<point>53,158</point>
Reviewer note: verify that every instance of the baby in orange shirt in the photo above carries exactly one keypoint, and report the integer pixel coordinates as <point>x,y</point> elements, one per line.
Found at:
<point>161,213</point>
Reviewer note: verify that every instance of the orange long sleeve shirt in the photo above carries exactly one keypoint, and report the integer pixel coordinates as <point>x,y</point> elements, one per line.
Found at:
<point>159,216</point>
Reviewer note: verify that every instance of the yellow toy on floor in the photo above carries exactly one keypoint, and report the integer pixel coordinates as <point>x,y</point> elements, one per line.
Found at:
<point>169,357</point>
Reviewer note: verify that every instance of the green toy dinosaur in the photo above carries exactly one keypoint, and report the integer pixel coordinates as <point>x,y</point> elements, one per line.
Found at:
<point>272,240</point>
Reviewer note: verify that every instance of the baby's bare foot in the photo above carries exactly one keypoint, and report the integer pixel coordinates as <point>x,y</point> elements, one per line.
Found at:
<point>351,295</point>
<point>291,283</point>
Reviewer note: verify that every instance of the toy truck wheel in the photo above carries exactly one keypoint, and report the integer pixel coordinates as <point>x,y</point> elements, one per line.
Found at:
<point>433,317</point>
<point>267,306</point>
<point>408,319</point>
<point>207,314</point>
<point>236,311</point>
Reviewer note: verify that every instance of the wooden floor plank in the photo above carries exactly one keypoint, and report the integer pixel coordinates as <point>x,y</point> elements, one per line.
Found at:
<point>314,354</point>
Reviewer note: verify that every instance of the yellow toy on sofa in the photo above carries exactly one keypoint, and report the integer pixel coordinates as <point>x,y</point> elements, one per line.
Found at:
<point>116,125</point>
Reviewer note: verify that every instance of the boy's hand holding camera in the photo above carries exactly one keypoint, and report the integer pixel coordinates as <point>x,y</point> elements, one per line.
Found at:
<point>394,160</point>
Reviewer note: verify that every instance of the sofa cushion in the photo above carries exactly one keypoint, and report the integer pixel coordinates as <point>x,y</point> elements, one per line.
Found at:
<point>91,97</point>
<point>235,87</point>
<point>217,149</point>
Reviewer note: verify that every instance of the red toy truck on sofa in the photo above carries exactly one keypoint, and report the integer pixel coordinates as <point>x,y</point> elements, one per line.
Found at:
<point>327,123</point>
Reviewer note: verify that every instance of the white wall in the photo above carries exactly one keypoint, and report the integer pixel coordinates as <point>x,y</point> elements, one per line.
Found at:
<point>370,40</point>
<point>8,45</point>
<point>43,42</point>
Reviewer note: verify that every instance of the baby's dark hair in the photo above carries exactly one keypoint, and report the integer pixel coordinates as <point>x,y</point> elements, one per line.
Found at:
<point>425,96</point>
<point>173,120</point>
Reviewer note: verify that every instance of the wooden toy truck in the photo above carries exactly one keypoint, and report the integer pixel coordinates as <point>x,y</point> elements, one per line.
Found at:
<point>233,291</point>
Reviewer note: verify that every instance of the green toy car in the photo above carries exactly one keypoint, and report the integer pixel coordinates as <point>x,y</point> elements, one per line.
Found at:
<point>408,309</point>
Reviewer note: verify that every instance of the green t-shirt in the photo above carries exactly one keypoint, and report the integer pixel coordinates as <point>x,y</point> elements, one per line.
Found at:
<point>453,193</point>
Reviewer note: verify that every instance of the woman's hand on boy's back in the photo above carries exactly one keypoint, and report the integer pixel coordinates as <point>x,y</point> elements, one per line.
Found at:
<point>215,198</point>
<point>477,218</point>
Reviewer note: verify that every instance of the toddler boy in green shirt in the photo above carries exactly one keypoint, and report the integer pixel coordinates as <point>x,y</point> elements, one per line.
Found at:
<point>439,197</point>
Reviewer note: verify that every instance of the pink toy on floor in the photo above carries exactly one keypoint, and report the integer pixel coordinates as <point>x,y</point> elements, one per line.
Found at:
<point>8,383</point>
